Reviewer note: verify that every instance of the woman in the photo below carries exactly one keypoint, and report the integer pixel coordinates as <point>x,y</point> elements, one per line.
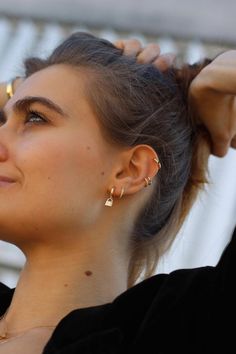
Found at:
<point>103,160</point>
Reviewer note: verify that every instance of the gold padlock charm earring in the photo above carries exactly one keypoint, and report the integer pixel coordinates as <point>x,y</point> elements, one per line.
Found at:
<point>109,201</point>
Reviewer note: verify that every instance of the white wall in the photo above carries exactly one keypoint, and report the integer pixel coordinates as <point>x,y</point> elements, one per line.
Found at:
<point>206,19</point>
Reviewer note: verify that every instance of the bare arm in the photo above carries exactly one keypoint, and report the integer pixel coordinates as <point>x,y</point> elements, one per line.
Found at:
<point>212,95</point>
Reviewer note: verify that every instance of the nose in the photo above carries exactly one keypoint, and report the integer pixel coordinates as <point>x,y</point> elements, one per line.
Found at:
<point>3,153</point>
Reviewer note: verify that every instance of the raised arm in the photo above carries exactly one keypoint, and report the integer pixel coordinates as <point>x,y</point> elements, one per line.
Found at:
<point>212,95</point>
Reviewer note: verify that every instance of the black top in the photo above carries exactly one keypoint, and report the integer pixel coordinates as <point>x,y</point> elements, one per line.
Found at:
<point>189,311</point>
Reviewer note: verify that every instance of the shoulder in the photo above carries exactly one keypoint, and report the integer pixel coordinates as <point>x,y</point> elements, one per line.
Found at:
<point>198,302</point>
<point>181,281</point>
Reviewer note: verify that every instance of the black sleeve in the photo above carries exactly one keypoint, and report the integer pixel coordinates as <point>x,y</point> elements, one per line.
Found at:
<point>225,270</point>
<point>193,310</point>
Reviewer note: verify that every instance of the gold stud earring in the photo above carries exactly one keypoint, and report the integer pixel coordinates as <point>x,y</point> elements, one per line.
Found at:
<point>109,201</point>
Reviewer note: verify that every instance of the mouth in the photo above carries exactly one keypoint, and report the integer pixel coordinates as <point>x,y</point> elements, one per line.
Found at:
<point>6,184</point>
<point>6,181</point>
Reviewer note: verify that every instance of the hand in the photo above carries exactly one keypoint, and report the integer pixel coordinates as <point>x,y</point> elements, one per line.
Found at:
<point>212,95</point>
<point>149,54</point>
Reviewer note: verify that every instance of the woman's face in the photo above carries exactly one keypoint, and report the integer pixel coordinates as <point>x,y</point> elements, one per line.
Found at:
<point>52,147</point>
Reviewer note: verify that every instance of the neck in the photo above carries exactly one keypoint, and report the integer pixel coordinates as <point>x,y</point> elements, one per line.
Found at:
<point>55,281</point>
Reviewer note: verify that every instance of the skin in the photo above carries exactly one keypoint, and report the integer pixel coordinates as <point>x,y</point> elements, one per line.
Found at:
<point>77,250</point>
<point>211,93</point>
<point>149,54</point>
<point>73,270</point>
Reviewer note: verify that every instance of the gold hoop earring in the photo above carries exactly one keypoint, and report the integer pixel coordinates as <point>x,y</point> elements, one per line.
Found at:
<point>122,192</point>
<point>157,161</point>
<point>109,201</point>
<point>148,181</point>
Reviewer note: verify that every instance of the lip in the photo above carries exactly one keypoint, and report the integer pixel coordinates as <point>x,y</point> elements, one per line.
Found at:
<point>6,179</point>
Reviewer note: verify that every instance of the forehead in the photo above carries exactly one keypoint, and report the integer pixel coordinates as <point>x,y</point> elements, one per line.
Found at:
<point>64,86</point>
<point>59,83</point>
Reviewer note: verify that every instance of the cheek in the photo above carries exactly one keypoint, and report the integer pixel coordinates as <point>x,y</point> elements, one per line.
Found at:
<point>61,183</point>
<point>65,165</point>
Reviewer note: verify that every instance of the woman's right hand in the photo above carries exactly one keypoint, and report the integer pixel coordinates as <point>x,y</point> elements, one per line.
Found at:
<point>212,95</point>
<point>150,54</point>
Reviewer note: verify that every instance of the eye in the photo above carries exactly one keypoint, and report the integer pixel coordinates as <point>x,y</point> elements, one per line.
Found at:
<point>34,117</point>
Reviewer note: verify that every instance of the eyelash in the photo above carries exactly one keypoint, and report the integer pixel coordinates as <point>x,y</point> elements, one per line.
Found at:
<point>32,113</point>
<point>28,115</point>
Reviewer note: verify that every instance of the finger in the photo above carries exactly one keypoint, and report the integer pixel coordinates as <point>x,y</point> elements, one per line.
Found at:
<point>165,61</point>
<point>149,53</point>
<point>222,135</point>
<point>119,44</point>
<point>131,47</point>
<point>220,146</point>
<point>233,142</point>
<point>220,150</point>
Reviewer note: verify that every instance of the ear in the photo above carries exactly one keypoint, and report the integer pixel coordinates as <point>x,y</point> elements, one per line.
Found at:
<point>135,165</point>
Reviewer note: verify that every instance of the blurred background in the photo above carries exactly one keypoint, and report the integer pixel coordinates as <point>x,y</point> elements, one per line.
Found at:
<point>192,30</point>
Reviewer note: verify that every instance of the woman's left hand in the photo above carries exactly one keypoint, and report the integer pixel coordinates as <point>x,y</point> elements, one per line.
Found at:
<point>212,95</point>
<point>146,55</point>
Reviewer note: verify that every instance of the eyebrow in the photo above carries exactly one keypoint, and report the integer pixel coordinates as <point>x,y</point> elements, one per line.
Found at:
<point>24,104</point>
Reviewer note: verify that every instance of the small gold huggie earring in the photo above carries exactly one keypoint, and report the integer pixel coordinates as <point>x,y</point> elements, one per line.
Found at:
<point>157,161</point>
<point>148,181</point>
<point>109,201</point>
<point>122,192</point>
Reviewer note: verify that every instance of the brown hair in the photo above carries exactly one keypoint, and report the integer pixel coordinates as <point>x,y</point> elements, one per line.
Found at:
<point>138,104</point>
